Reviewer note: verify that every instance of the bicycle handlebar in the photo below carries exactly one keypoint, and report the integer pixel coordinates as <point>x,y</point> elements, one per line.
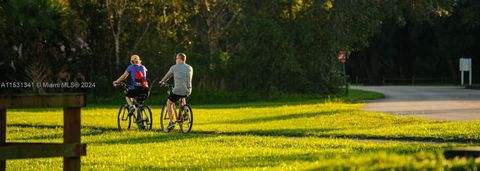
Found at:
<point>169,87</point>
<point>123,84</point>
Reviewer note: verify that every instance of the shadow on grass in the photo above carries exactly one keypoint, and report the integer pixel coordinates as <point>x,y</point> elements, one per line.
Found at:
<point>142,137</point>
<point>261,104</point>
<point>403,138</point>
<point>323,133</point>
<point>158,137</point>
<point>282,117</point>
<point>85,131</point>
<point>293,133</point>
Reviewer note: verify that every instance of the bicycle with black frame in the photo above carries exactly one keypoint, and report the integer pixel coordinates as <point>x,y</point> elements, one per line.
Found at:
<point>183,116</point>
<point>144,113</point>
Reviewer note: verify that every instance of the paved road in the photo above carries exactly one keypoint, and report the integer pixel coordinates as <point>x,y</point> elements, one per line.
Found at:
<point>431,102</point>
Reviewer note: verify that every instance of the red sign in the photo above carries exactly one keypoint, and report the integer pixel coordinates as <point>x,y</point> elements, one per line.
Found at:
<point>342,56</point>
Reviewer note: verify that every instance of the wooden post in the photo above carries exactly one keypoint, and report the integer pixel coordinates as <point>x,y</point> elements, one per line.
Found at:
<point>3,135</point>
<point>461,75</point>
<point>470,77</point>
<point>70,150</point>
<point>71,134</point>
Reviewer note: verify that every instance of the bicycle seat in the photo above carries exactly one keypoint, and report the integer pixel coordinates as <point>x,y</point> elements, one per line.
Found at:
<point>142,97</point>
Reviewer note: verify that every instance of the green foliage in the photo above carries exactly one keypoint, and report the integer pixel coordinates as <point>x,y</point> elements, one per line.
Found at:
<point>285,53</point>
<point>41,39</point>
<point>2,37</point>
<point>421,42</point>
<point>263,47</point>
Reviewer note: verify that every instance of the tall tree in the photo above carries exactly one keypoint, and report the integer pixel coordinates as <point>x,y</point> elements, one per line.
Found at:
<point>116,10</point>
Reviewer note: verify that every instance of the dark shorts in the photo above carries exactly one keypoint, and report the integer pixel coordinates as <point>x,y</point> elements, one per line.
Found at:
<point>137,93</point>
<point>174,97</point>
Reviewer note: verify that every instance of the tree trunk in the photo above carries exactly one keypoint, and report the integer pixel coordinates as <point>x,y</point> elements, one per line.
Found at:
<point>116,9</point>
<point>117,54</point>
<point>372,67</point>
<point>453,71</point>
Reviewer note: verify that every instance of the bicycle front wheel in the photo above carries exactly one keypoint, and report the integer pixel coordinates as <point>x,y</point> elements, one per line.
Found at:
<point>164,119</point>
<point>186,115</point>
<point>124,121</point>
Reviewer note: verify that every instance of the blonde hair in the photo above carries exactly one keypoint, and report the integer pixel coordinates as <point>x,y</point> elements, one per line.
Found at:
<point>135,59</point>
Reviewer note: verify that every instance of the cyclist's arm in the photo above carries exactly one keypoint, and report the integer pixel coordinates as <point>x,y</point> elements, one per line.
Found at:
<point>167,76</point>
<point>189,81</point>
<point>122,77</point>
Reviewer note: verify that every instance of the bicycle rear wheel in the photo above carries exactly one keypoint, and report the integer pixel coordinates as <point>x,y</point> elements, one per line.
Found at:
<point>147,117</point>
<point>186,119</point>
<point>124,121</point>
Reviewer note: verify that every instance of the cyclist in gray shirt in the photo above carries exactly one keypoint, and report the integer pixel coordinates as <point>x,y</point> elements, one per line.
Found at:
<point>182,76</point>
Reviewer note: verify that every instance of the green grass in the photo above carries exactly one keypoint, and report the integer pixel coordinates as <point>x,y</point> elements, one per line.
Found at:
<point>222,98</point>
<point>226,101</point>
<point>326,133</point>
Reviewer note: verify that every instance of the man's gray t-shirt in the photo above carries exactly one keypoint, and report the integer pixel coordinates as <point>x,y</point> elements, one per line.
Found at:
<point>182,77</point>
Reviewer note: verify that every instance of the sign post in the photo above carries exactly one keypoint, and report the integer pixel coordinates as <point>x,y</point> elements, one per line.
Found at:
<point>466,65</point>
<point>342,56</point>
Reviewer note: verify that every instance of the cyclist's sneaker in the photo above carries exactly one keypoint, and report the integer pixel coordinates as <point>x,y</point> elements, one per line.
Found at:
<point>140,125</point>
<point>171,125</point>
<point>131,109</point>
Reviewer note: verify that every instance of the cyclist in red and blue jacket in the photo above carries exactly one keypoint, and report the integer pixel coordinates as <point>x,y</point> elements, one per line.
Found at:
<point>138,85</point>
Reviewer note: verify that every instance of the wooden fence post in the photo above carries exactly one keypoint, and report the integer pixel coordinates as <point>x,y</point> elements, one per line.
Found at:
<point>72,148</point>
<point>71,134</point>
<point>3,135</point>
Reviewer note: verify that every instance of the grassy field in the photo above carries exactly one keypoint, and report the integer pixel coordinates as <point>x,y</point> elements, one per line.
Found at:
<point>323,133</point>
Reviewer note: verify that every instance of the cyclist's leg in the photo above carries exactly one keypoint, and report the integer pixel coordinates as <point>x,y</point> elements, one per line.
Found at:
<point>183,114</point>
<point>128,97</point>
<point>170,109</point>
<point>129,101</point>
<point>172,98</point>
<point>170,104</point>
<point>182,101</point>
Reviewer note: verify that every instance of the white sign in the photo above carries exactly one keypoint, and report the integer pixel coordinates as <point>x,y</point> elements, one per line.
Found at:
<point>465,64</point>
